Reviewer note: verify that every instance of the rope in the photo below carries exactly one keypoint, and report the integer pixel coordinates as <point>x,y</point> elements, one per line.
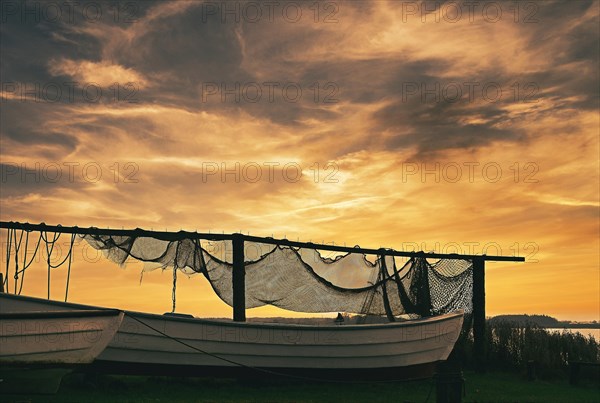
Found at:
<point>174,288</point>
<point>44,235</point>
<point>49,253</point>
<point>27,264</point>
<point>69,267</point>
<point>8,249</point>
<point>17,249</point>
<point>24,262</point>
<point>68,256</point>
<point>49,245</point>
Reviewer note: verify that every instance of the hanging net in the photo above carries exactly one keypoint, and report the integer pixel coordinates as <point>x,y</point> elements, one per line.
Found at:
<point>296,279</point>
<point>302,280</point>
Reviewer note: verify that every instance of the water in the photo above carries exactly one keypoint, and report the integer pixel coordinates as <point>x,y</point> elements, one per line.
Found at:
<point>585,332</point>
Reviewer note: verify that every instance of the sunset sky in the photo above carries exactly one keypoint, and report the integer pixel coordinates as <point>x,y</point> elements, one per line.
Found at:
<point>439,126</point>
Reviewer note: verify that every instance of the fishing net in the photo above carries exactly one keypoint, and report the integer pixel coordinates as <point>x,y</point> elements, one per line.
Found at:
<point>302,280</point>
<point>296,279</point>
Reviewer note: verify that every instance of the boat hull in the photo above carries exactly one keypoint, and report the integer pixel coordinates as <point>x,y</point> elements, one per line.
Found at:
<point>198,346</point>
<point>56,337</point>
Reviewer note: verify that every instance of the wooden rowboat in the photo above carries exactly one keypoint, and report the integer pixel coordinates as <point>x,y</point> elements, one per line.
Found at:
<point>55,337</point>
<point>39,346</point>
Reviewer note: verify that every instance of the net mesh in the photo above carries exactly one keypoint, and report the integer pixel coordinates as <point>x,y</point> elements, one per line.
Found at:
<point>302,280</point>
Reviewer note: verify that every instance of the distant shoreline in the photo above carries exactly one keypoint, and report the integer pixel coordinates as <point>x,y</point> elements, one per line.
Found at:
<point>575,326</point>
<point>543,321</point>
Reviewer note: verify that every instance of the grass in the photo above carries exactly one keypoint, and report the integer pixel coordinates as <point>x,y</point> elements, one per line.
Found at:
<point>491,387</point>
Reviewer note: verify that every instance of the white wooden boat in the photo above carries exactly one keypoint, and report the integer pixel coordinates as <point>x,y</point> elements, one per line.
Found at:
<point>65,336</point>
<point>175,343</point>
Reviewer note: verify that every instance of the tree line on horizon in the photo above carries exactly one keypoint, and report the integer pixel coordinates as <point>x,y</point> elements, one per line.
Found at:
<point>541,321</point>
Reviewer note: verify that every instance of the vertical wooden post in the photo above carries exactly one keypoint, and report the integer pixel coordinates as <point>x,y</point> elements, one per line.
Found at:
<point>384,275</point>
<point>238,277</point>
<point>479,347</point>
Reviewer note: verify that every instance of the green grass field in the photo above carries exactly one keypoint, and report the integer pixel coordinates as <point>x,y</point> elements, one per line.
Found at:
<point>491,387</point>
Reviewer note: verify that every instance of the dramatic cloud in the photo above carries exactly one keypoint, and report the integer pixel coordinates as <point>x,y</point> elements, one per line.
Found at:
<point>103,73</point>
<point>417,125</point>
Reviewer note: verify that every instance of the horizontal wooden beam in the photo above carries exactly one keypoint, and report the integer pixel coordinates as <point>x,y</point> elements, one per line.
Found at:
<point>176,236</point>
<point>162,235</point>
<point>380,251</point>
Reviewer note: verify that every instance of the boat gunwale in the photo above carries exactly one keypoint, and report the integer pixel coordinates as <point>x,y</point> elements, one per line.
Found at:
<point>92,313</point>
<point>226,322</point>
<point>263,325</point>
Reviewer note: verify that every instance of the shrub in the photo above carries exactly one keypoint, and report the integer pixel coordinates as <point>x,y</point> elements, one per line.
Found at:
<point>510,346</point>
